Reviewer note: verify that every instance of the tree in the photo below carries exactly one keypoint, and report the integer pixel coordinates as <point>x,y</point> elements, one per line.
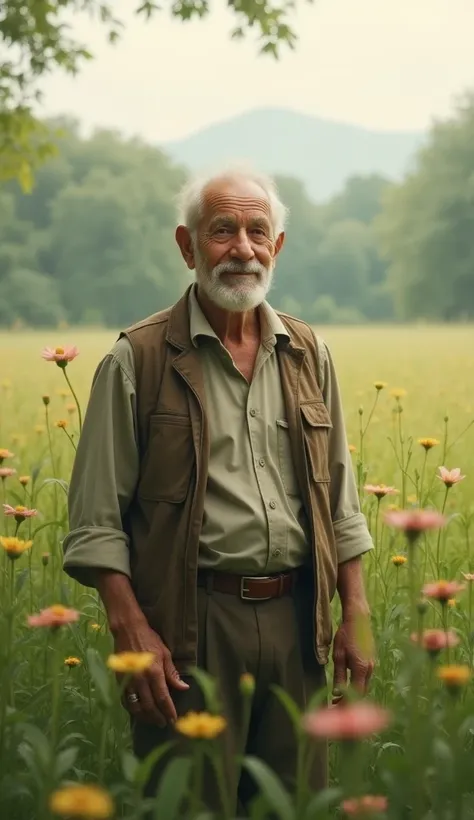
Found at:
<point>427,225</point>
<point>34,38</point>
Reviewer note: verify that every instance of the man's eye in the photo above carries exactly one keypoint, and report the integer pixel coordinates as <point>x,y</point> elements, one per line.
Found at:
<point>221,231</point>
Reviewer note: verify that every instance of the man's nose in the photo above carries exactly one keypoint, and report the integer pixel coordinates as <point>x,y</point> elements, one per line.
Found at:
<point>242,248</point>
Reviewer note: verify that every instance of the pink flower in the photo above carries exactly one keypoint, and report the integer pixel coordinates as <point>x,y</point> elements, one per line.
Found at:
<point>19,512</point>
<point>450,477</point>
<point>54,616</point>
<point>434,640</point>
<point>380,490</point>
<point>414,521</point>
<point>60,355</point>
<point>347,722</point>
<point>364,806</point>
<point>6,472</point>
<point>442,590</point>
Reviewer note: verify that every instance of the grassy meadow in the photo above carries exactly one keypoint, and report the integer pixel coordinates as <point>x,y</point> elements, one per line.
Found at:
<point>62,724</point>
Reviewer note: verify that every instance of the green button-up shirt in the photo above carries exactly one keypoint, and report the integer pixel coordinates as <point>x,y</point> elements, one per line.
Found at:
<point>254,521</point>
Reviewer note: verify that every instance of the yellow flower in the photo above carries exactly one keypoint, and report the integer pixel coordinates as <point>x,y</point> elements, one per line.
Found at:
<point>201,725</point>
<point>451,602</point>
<point>62,423</point>
<point>96,627</point>
<point>4,453</point>
<point>398,560</point>
<point>412,499</point>
<point>398,393</point>
<point>82,801</point>
<point>63,392</point>
<point>40,428</point>
<point>454,676</point>
<point>14,547</point>
<point>247,684</point>
<point>352,448</point>
<point>392,507</point>
<point>24,479</point>
<point>380,385</point>
<point>428,443</point>
<point>134,663</point>
<point>72,661</point>
<point>71,408</point>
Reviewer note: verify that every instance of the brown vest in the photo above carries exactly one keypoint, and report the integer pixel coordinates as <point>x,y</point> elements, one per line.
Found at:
<point>164,519</point>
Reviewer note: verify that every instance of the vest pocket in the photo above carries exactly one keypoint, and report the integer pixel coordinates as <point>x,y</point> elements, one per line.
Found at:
<point>285,458</point>
<point>169,459</point>
<point>316,426</point>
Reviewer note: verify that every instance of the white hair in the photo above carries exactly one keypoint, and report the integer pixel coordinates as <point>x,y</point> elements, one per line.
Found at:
<point>191,196</point>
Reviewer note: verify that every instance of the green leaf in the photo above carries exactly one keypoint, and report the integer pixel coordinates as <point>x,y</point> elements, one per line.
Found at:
<point>64,761</point>
<point>99,675</point>
<point>322,801</point>
<point>271,787</point>
<point>172,789</point>
<point>38,741</point>
<point>20,579</point>
<point>208,686</point>
<point>43,526</point>
<point>129,766</point>
<point>290,707</point>
<point>145,766</point>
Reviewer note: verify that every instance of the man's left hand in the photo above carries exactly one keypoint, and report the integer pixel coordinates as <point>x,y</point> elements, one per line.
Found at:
<point>350,656</point>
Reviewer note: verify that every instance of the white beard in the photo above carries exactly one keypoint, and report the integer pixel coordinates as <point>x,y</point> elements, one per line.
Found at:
<point>244,293</point>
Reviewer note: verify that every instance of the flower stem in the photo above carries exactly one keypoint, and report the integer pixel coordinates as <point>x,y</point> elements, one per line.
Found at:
<point>79,413</point>
<point>438,544</point>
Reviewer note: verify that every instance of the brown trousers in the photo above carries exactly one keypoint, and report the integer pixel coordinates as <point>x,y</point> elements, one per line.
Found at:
<point>272,641</point>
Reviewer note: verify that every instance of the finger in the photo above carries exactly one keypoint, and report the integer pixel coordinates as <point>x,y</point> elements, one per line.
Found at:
<point>145,708</point>
<point>340,671</point>
<point>172,675</point>
<point>161,695</point>
<point>358,672</point>
<point>370,672</point>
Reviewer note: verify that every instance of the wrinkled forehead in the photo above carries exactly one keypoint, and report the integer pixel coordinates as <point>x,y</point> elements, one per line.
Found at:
<point>238,198</point>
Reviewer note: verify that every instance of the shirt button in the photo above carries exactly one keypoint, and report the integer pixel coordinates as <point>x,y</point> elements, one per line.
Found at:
<point>276,553</point>
<point>261,461</point>
<point>253,412</point>
<point>272,504</point>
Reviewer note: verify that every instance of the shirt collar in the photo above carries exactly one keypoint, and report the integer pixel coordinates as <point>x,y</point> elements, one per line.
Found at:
<point>272,326</point>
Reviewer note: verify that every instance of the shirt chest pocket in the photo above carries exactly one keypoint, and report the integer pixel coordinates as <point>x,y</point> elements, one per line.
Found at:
<point>169,459</point>
<point>316,429</point>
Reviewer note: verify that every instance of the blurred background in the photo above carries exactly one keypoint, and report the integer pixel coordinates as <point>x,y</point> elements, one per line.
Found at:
<point>364,112</point>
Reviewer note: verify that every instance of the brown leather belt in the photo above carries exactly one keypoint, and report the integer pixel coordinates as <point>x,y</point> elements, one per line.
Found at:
<point>248,587</point>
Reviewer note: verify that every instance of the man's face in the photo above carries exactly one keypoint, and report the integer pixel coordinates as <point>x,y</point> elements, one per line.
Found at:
<point>235,248</point>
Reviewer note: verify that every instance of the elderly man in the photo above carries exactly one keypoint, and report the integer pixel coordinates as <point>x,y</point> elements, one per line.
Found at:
<point>212,502</point>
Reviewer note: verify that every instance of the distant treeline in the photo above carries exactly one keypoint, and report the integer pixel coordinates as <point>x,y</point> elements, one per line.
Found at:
<point>94,241</point>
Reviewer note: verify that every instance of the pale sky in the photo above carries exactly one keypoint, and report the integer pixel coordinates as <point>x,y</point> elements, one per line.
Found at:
<point>384,64</point>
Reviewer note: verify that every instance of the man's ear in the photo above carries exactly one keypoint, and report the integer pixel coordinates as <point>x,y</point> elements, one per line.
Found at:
<point>186,246</point>
<point>279,243</point>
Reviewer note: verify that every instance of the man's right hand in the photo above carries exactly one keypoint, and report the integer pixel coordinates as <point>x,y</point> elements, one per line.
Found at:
<point>152,688</point>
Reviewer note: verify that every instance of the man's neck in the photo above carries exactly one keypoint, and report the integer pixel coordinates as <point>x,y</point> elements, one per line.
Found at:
<point>235,328</point>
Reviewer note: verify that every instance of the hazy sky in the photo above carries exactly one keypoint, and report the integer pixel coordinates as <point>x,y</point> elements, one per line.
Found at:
<point>385,64</point>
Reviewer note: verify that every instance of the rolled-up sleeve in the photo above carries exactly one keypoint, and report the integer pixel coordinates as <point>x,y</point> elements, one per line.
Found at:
<point>105,472</point>
<point>350,527</point>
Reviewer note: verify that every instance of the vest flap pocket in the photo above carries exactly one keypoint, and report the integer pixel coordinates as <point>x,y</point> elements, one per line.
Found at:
<point>169,459</point>
<point>316,427</point>
<point>316,414</point>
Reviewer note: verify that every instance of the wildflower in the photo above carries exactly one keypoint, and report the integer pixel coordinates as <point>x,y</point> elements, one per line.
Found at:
<point>96,627</point>
<point>468,576</point>
<point>347,722</point>
<point>130,662</point>
<point>201,725</point>
<point>434,640</point>
<point>63,392</point>
<point>61,355</point>
<point>71,408</point>
<point>54,616</point>
<point>398,560</point>
<point>352,448</point>
<point>453,676</point>
<point>14,547</point>
<point>380,385</point>
<point>247,684</point>
<point>450,477</point>
<point>19,512</point>
<point>40,428</point>
<point>82,801</point>
<point>414,521</point>
<point>364,806</point>
<point>24,480</point>
<point>393,507</point>
<point>62,424</point>
<point>46,400</point>
<point>412,499</point>
<point>442,591</point>
<point>45,556</point>
<point>428,443</point>
<point>380,490</point>
<point>4,453</point>
<point>451,602</point>
<point>398,393</point>
<point>6,472</point>
<point>72,661</point>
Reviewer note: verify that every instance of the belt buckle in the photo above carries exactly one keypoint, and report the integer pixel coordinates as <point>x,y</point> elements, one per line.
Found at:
<point>243,591</point>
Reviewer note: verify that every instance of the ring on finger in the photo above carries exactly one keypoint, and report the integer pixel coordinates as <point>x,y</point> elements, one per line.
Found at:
<point>133,698</point>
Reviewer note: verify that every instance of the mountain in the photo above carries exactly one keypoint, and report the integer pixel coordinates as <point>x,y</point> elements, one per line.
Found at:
<point>321,153</point>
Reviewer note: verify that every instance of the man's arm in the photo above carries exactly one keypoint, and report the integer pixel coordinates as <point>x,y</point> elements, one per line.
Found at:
<point>96,550</point>
<point>352,539</point>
